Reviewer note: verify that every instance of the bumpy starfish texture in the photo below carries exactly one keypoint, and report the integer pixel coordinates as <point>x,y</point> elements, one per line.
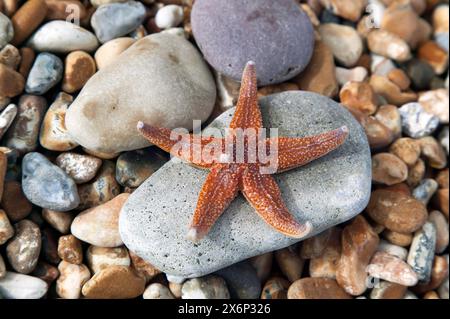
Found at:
<point>226,179</point>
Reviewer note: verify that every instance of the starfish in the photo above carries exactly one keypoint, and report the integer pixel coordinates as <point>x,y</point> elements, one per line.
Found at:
<point>227,178</point>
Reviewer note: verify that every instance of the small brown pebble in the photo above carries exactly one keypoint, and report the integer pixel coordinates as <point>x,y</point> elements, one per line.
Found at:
<point>49,250</point>
<point>434,55</point>
<point>388,290</point>
<point>407,149</point>
<point>290,263</point>
<point>441,200</point>
<point>23,133</point>
<point>275,288</point>
<point>349,10</point>
<point>388,45</point>
<point>99,258</point>
<point>400,188</point>
<point>12,83</point>
<point>69,249</point>
<point>359,95</point>
<point>54,135</point>
<point>433,152</point>
<point>27,19</point>
<point>14,202</point>
<point>46,272</point>
<point>399,78</point>
<point>320,75</point>
<point>388,169</point>
<point>359,243</point>
<point>27,61</point>
<point>439,272</point>
<point>378,134</point>
<point>392,269</point>
<point>115,282</point>
<point>313,247</point>
<point>10,56</point>
<point>316,288</point>
<point>389,116</point>
<point>390,91</point>
<point>416,173</point>
<point>396,211</point>
<point>326,265</point>
<point>400,11</point>
<point>442,230</point>
<point>79,67</point>
<point>397,238</point>
<point>443,178</point>
<point>63,9</point>
<point>147,270</point>
<point>60,221</point>
<point>23,249</point>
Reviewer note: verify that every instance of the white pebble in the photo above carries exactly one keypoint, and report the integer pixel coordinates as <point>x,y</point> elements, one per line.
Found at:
<point>169,16</point>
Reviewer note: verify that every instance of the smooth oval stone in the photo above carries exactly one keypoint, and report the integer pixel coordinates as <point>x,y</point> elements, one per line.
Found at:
<point>62,37</point>
<point>161,80</point>
<point>46,185</point>
<point>46,71</point>
<point>113,20</point>
<point>18,286</point>
<point>155,219</point>
<point>277,35</point>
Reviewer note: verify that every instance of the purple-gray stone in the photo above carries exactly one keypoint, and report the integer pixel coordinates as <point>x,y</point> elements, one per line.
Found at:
<point>276,34</point>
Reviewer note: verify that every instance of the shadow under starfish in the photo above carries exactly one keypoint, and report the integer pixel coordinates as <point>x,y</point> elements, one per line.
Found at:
<point>228,176</point>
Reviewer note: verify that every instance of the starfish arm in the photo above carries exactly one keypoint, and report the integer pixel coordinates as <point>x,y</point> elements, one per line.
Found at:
<point>247,113</point>
<point>189,147</point>
<point>263,194</point>
<point>295,152</point>
<point>218,191</point>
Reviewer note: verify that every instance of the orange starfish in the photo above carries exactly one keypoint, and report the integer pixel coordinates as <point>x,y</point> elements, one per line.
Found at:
<point>226,179</point>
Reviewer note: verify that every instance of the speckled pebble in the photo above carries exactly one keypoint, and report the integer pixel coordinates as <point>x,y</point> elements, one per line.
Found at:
<point>416,122</point>
<point>24,248</point>
<point>421,252</point>
<point>82,168</point>
<point>46,185</point>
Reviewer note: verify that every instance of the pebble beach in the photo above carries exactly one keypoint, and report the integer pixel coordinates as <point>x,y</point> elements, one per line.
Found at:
<point>89,209</point>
